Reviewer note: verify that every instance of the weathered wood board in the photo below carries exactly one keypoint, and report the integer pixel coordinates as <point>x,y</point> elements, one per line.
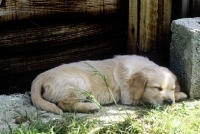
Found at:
<point>132,27</point>
<point>154,25</point>
<point>37,35</point>
<point>37,48</point>
<point>29,9</point>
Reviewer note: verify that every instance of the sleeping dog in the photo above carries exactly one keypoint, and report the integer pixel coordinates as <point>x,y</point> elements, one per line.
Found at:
<point>129,80</point>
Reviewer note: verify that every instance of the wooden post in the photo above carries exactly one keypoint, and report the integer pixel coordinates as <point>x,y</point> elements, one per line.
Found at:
<point>166,27</point>
<point>148,25</point>
<point>155,17</point>
<point>132,27</point>
<point>185,8</point>
<point>0,2</point>
<point>195,8</point>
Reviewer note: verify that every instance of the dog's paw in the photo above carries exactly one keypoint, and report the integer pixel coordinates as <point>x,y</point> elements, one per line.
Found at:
<point>60,112</point>
<point>180,96</point>
<point>56,110</point>
<point>92,108</point>
<point>136,102</point>
<point>86,107</point>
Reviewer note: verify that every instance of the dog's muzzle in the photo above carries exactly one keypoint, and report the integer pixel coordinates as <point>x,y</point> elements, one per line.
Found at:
<point>168,101</point>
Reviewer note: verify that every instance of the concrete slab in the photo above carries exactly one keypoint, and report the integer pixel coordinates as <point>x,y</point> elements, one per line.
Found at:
<point>185,54</point>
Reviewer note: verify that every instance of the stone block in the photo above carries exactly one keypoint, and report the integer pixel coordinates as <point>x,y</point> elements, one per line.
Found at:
<point>185,54</point>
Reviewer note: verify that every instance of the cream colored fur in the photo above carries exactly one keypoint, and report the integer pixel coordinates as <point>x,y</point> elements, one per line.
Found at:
<point>132,79</point>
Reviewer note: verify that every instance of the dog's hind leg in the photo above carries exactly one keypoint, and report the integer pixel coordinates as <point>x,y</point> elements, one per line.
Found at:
<point>73,104</point>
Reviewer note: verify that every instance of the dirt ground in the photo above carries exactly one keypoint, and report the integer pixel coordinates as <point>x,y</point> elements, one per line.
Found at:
<point>15,106</point>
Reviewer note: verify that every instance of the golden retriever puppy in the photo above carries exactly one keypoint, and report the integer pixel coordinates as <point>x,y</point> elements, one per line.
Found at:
<point>131,79</point>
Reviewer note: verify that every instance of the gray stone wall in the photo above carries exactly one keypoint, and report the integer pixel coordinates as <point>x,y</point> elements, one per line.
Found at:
<point>185,54</point>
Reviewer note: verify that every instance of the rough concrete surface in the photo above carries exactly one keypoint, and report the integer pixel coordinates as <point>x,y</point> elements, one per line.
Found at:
<point>185,54</point>
<point>17,105</point>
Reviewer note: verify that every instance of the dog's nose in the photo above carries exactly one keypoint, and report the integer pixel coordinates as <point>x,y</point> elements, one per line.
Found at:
<point>168,101</point>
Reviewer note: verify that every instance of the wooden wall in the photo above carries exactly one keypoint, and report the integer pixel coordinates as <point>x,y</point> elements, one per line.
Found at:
<point>149,29</point>
<point>36,35</point>
<point>29,9</point>
<point>185,8</point>
<point>149,25</point>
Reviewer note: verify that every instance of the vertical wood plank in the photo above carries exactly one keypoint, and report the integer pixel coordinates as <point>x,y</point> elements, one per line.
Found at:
<point>132,27</point>
<point>155,18</point>
<point>185,8</point>
<point>195,8</point>
<point>167,10</point>
<point>160,24</point>
<point>148,25</point>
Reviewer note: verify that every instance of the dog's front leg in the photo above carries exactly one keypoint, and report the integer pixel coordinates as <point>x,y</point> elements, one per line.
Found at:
<point>180,95</point>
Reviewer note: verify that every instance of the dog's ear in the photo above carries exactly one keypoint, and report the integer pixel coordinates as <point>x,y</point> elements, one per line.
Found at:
<point>137,85</point>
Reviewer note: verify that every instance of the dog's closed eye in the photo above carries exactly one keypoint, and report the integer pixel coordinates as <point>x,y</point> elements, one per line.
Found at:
<point>159,88</point>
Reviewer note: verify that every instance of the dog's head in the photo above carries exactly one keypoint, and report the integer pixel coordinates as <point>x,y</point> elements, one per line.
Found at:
<point>154,85</point>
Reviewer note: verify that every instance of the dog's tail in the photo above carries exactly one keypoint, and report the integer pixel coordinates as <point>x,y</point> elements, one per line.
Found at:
<point>39,102</point>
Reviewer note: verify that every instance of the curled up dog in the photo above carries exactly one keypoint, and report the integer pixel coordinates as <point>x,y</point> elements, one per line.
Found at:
<point>131,79</point>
